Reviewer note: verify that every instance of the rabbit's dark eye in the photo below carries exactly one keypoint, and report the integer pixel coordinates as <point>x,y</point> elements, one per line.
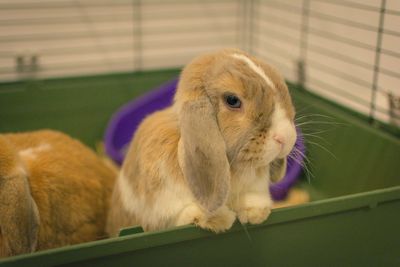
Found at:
<point>233,101</point>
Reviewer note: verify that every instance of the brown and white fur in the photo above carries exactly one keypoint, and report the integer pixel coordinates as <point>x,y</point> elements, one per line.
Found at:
<point>201,161</point>
<point>54,191</point>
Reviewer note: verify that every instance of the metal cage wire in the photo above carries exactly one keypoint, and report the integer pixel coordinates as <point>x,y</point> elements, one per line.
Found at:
<point>345,50</point>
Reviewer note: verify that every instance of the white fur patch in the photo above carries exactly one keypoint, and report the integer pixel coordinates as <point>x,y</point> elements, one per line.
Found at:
<point>255,68</point>
<point>282,126</point>
<point>31,153</point>
<point>187,214</point>
<point>248,183</point>
<point>171,200</point>
<point>19,170</point>
<point>127,196</point>
<point>256,200</point>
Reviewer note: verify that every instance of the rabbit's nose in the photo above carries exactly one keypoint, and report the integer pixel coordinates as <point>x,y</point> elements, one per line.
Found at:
<point>279,139</point>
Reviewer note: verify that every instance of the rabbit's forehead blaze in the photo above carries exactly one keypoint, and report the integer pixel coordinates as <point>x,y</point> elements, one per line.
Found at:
<point>257,69</point>
<point>265,97</point>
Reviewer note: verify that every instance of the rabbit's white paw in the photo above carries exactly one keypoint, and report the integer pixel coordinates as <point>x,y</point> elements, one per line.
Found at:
<point>219,221</point>
<point>254,215</point>
<point>254,208</point>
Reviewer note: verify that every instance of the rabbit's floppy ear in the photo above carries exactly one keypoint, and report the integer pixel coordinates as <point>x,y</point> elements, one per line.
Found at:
<point>202,150</point>
<point>19,220</point>
<point>277,169</point>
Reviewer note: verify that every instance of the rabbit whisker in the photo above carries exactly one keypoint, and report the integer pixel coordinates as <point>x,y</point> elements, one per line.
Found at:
<point>320,122</point>
<point>324,148</point>
<point>316,136</point>
<point>304,163</point>
<point>247,232</point>
<point>313,115</point>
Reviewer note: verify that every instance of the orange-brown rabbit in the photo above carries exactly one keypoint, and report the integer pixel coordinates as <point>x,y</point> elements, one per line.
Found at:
<point>209,158</point>
<point>54,191</point>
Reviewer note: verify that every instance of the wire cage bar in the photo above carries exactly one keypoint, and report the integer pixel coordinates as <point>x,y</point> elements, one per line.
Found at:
<point>342,50</point>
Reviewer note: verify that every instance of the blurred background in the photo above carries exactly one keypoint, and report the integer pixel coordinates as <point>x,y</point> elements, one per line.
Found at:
<point>345,50</point>
<point>71,65</point>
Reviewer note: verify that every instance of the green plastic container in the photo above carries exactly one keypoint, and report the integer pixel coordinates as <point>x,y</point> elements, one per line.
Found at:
<point>352,220</point>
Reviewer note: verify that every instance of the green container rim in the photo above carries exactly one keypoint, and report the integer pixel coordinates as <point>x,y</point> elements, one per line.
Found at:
<point>139,241</point>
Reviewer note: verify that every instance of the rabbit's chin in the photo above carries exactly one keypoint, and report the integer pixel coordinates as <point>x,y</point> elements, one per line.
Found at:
<point>282,153</point>
<point>267,158</point>
<point>274,152</point>
<point>254,163</point>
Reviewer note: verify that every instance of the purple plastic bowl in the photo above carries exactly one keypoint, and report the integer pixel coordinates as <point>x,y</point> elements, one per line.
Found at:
<point>125,121</point>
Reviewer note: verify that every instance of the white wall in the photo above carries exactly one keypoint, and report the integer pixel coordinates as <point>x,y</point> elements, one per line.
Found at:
<point>84,37</point>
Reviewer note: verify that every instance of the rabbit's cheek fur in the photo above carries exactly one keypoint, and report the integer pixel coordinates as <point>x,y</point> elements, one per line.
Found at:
<point>269,143</point>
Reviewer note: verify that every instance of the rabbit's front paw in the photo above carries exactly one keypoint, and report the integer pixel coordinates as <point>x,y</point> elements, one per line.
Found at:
<point>253,215</point>
<point>219,221</point>
<point>254,209</point>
